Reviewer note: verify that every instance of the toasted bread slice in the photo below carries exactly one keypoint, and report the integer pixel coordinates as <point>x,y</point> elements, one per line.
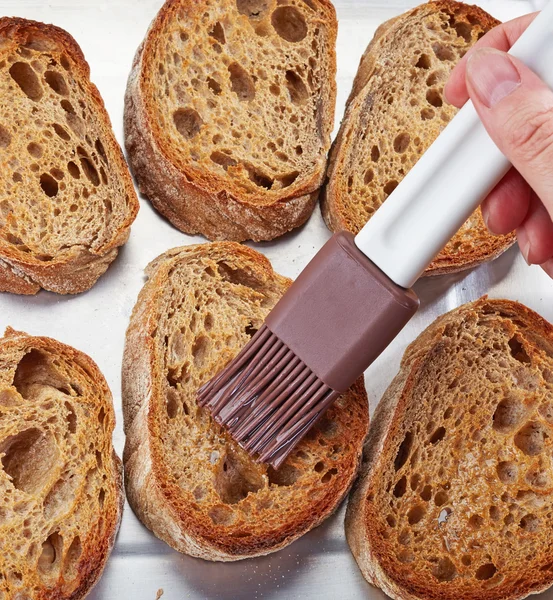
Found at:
<point>66,195</point>
<point>61,482</point>
<point>456,494</point>
<point>229,111</point>
<point>395,111</point>
<point>186,479</point>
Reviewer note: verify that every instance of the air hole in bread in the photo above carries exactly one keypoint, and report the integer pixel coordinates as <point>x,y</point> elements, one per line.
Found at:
<point>27,80</point>
<point>29,458</point>
<point>416,514</point>
<point>517,350</point>
<point>50,557</point>
<point>188,122</point>
<point>57,82</point>
<point>214,86</point>
<point>67,107</point>
<point>401,143</point>
<point>71,418</point>
<point>507,471</point>
<point>241,82</point>
<point>99,461</point>
<point>61,132</point>
<point>426,493</point>
<point>319,467</point>
<point>289,23</point>
<point>390,519</point>
<point>476,522</point>
<point>441,498</point>
<point>495,513</point>
<point>531,438</point>
<point>464,30</point>
<point>5,137</point>
<point>369,176</point>
<point>404,451</point>
<point>375,154</point>
<point>486,571</point>
<point>72,557</point>
<point>296,88</point>
<point>35,150</point>
<point>89,170</point>
<point>443,569</point>
<point>223,160</point>
<point>235,479</point>
<point>438,435</point>
<point>406,556</point>
<point>101,416</point>
<point>57,174</point>
<point>253,9</point>
<point>199,349</point>
<point>173,403</point>
<point>329,475</point>
<point>49,185</point>
<point>530,523</point>
<point>434,98</point>
<point>222,515</point>
<point>218,33</point>
<point>424,62</point>
<point>9,397</point>
<point>284,476</point>
<point>443,52</point>
<point>508,414</point>
<point>538,477</point>
<point>390,187</point>
<point>259,177</point>
<point>288,179</point>
<point>60,496</point>
<point>400,487</point>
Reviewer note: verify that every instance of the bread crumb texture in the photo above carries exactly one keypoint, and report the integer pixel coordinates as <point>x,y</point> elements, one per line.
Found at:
<point>186,479</point>
<point>456,499</point>
<point>396,110</point>
<point>66,196</point>
<point>60,480</point>
<point>238,96</point>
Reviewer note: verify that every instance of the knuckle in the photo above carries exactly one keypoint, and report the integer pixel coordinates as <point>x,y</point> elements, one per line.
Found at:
<point>531,135</point>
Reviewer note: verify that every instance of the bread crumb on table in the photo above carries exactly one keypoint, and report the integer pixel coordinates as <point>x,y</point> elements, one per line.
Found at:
<point>159,593</point>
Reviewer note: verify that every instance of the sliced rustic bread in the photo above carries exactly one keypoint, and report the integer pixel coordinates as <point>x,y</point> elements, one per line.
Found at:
<point>61,493</point>
<point>455,499</point>
<point>185,478</point>
<point>395,111</point>
<point>229,111</point>
<point>66,195</point>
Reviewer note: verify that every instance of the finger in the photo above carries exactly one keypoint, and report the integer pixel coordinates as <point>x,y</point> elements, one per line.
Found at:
<point>502,38</point>
<point>507,205</point>
<point>535,235</point>
<point>516,108</point>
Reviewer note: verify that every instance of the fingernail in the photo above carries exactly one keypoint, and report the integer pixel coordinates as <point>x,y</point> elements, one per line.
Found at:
<point>548,267</point>
<point>525,245</point>
<point>492,75</point>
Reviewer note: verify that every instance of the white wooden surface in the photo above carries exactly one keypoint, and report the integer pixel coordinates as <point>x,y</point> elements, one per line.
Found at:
<point>319,566</point>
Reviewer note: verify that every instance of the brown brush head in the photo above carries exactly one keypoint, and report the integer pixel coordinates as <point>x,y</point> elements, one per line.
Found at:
<point>327,329</point>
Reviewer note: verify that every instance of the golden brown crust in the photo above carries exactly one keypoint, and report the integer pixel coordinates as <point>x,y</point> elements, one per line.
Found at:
<point>494,556</point>
<point>198,200</point>
<point>473,245</point>
<point>77,268</point>
<point>93,533</point>
<point>199,513</point>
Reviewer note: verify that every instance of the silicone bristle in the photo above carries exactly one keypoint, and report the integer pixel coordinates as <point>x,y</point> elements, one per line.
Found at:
<point>267,398</point>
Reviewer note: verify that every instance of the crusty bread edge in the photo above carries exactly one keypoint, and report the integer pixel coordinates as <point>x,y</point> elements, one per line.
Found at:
<point>78,269</point>
<point>191,207</point>
<point>442,266</point>
<point>14,337</point>
<point>383,425</point>
<point>144,492</point>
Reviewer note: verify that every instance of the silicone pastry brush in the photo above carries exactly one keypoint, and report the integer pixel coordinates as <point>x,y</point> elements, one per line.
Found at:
<point>354,297</point>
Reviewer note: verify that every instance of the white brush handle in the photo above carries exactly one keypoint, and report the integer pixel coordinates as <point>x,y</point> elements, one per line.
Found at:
<point>449,181</point>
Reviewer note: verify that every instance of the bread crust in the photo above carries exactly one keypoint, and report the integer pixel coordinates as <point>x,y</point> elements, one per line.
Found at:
<point>170,511</point>
<point>362,537</point>
<point>199,202</point>
<point>358,108</point>
<point>77,268</point>
<point>95,549</point>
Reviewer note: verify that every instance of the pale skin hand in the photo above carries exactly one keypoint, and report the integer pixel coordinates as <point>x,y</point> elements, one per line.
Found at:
<point>516,107</point>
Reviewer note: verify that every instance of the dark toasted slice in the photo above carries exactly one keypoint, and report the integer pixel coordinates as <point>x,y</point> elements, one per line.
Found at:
<point>60,480</point>
<point>455,499</point>
<point>395,111</point>
<point>186,480</point>
<point>66,196</point>
<point>229,111</point>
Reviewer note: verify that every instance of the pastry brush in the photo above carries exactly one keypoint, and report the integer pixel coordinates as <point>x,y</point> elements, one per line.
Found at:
<point>354,297</point>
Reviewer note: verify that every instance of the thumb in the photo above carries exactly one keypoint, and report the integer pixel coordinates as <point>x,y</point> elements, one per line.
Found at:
<point>516,108</point>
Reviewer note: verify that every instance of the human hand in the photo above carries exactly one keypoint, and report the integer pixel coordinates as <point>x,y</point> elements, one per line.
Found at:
<point>516,107</point>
